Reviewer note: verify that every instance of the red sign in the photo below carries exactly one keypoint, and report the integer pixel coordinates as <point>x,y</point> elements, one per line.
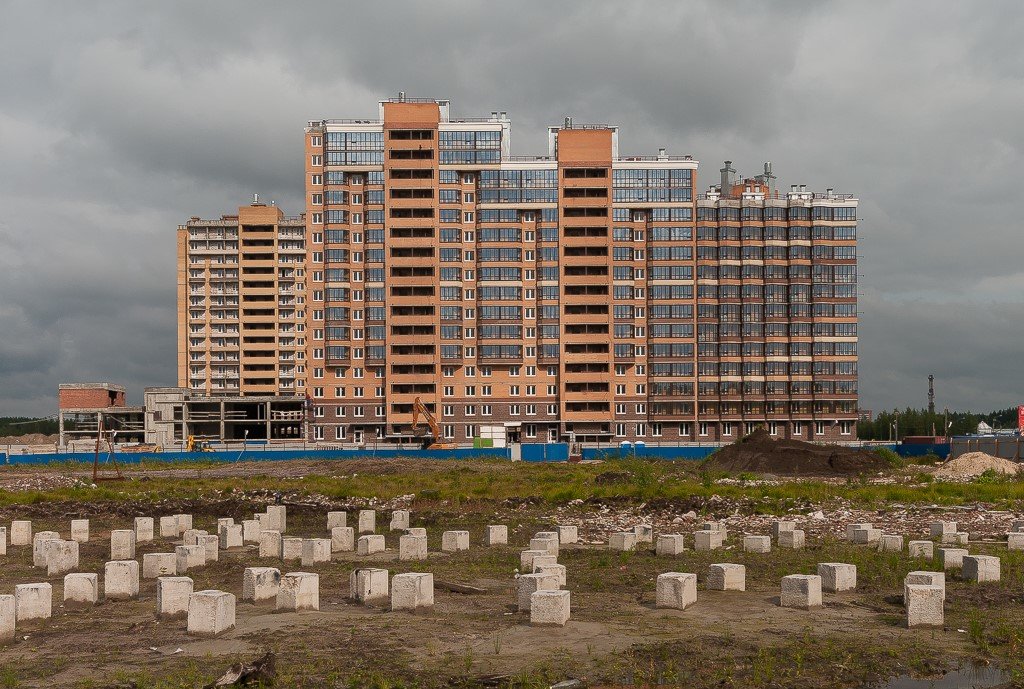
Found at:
<point>1020,418</point>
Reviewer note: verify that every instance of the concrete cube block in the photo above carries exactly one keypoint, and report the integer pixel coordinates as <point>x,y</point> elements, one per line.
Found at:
<point>416,531</point>
<point>952,558</point>
<point>367,521</point>
<point>794,539</point>
<point>230,536</point>
<point>545,542</point>
<point>122,544</point>
<point>33,602</point>
<point>889,543</point>
<point>188,557</point>
<point>169,527</point>
<point>271,544</point>
<point>39,546</point>
<point>173,595</point>
<point>81,590</point>
<point>644,533</point>
<point>867,536</point>
<point>526,558</point>
<point>1015,540</point>
<point>159,565</point>
<point>183,522</point>
<point>121,579</point>
<point>143,529</point>
<point>924,605</point>
<point>399,520</point>
<point>955,538</point>
<point>780,526</point>
<point>315,550</point>
<point>924,579</point>
<point>61,557</point>
<point>549,608</point>
<point>715,526</point>
<point>567,535</point>
<point>291,548</point>
<point>21,532</point>
<point>210,613</point>
<point>757,544</point>
<point>801,591</point>
<point>80,530</point>
<point>277,518</point>
<point>192,536</point>
<point>624,540</point>
<point>837,576</point>
<point>707,539</point>
<point>211,547</point>
<point>299,591</point>
<point>3,540</point>
<point>412,547</point>
<point>541,560</point>
<point>336,519</point>
<point>260,584</point>
<point>368,545</point>
<point>8,617</point>
<point>528,584</point>
<point>725,576</point>
<point>852,528</point>
<point>551,568</point>
<point>922,549</point>
<point>937,529</point>
<point>264,519</point>
<point>676,590</point>
<point>981,568</point>
<point>343,539</point>
<point>412,590</point>
<point>669,544</point>
<point>368,583</point>
<point>454,541</point>
<point>496,534</point>
<point>250,531</point>
<point>224,521</point>
<point>1018,525</point>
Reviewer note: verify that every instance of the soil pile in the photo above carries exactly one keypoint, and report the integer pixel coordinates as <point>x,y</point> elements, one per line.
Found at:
<point>29,439</point>
<point>974,464</point>
<point>760,453</point>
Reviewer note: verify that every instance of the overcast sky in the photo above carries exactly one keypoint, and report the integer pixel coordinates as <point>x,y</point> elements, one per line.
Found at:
<point>119,120</point>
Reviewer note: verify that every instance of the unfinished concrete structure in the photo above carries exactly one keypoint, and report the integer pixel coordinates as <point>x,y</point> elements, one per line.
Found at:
<point>86,409</point>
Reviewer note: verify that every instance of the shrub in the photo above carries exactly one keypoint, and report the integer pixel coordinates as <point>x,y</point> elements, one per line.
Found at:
<point>890,456</point>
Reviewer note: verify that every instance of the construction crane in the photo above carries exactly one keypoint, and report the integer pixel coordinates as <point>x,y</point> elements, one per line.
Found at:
<point>418,410</point>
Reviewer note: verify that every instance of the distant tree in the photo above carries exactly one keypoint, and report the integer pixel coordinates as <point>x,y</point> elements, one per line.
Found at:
<point>23,425</point>
<point>920,422</point>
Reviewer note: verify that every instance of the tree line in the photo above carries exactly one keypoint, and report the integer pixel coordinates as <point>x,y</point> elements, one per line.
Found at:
<point>920,422</point>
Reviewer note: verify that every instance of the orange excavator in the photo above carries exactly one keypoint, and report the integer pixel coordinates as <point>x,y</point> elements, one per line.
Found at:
<point>436,443</point>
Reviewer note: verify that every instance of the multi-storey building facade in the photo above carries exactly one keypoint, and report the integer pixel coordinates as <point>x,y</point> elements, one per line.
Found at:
<point>580,295</point>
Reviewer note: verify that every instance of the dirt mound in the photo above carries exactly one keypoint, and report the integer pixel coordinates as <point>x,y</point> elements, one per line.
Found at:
<point>29,439</point>
<point>760,453</point>
<point>974,464</point>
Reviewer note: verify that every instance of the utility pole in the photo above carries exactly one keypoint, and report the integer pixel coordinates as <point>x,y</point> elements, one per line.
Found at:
<point>931,401</point>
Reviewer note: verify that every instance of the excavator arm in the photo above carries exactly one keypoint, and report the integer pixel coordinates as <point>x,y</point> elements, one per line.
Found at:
<point>420,410</point>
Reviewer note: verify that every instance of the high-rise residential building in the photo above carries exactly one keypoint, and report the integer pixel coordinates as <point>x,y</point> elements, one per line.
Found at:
<point>581,295</point>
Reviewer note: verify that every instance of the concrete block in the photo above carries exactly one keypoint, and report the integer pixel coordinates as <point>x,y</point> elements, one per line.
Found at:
<point>412,590</point>
<point>889,543</point>
<point>707,539</point>
<point>260,584</point>
<point>367,521</point>
<point>1018,525</point>
<point>853,528</point>
<point>924,579</point>
<point>21,532</point>
<point>779,527</point>
<point>224,521</point>
<point>924,605</point>
<point>188,557</point>
<point>230,536</point>
<point>367,584</point>
<point>412,547</point>
<point>549,608</point>
<point>937,529</point>
<point>3,540</point>
<point>541,560</point>
<point>336,519</point>
<point>277,518</point>
<point>644,533</point>
<point>399,520</point>
<point>368,545</point>
<point>1015,540</point>
<point>545,542</point>
<point>801,591</point>
<point>81,590</point>
<point>922,549</point>
<point>496,534</point>
<point>122,544</point>
<point>250,531</point>
<point>981,568</point>
<point>794,540</point>
<point>299,591</point>
<point>264,519</point>
<point>315,550</point>
<point>727,577</point>
<point>210,613</point>
<point>551,568</point>
<point>867,536</point>
<point>143,529</point>
<point>39,546</point>
<point>454,541</point>
<point>624,540</point>
<point>527,557</point>
<point>757,544</point>
<point>528,584</point>
<point>121,579</point>
<point>183,523</point>
<point>80,530</point>
<point>955,538</point>
<point>211,547</point>
<point>952,558</point>
<point>61,557</point>
<point>676,590</point>
<point>270,544</point>
<point>567,535</point>
<point>417,531</point>
<point>291,548</point>
<point>172,596</point>
<point>33,602</point>
<point>169,527</point>
<point>8,615</point>
<point>669,544</point>
<point>159,565</point>
<point>715,526</point>
<point>343,539</point>
<point>192,536</point>
<point>837,576</point>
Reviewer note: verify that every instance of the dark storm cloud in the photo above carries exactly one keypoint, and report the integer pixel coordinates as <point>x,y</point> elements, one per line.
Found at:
<point>119,120</point>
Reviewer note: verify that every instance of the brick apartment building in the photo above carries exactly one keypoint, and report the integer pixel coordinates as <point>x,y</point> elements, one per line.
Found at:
<point>582,294</point>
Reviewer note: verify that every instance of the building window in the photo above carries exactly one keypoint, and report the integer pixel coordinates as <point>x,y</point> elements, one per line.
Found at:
<point>845,427</point>
<point>819,428</point>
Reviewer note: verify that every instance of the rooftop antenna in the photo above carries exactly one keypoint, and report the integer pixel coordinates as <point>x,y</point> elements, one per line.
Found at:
<point>769,177</point>
<point>255,198</point>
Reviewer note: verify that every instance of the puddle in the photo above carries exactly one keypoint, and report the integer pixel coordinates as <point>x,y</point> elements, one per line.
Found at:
<point>971,677</point>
